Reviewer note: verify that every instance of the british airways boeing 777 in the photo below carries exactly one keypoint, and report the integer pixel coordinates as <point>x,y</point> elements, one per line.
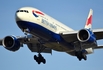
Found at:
<point>44,34</point>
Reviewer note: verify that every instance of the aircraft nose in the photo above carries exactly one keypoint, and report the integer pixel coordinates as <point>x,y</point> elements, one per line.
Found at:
<point>21,15</point>
<point>18,16</point>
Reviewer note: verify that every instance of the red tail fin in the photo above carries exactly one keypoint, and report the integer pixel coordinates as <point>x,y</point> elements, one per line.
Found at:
<point>89,20</point>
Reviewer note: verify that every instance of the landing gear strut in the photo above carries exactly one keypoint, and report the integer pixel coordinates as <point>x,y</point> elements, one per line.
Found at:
<point>40,48</point>
<point>80,55</point>
<point>40,58</point>
<point>80,52</point>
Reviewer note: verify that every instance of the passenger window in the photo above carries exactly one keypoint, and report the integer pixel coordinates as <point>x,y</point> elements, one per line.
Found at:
<point>25,11</point>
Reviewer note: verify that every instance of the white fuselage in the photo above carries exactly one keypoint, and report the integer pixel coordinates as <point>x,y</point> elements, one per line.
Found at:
<point>48,21</point>
<point>43,26</point>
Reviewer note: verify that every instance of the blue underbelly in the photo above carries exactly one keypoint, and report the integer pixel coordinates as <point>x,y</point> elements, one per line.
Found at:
<point>44,33</point>
<point>39,30</point>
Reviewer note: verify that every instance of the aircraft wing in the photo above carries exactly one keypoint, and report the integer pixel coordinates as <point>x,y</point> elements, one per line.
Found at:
<point>98,47</point>
<point>72,35</point>
<point>98,33</point>
<point>69,36</point>
<point>34,48</point>
<point>1,41</point>
<point>30,40</point>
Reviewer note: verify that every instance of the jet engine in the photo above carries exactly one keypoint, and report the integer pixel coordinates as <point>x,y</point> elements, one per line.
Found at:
<point>86,35</point>
<point>11,43</point>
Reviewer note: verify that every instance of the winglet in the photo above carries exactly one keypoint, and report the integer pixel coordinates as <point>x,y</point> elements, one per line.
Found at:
<point>88,24</point>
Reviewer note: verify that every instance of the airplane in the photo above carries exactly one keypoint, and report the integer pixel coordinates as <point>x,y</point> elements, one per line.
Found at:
<point>42,34</point>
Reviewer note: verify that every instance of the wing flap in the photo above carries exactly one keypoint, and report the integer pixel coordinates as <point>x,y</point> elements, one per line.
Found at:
<point>69,36</point>
<point>34,48</point>
<point>98,33</point>
<point>1,41</point>
<point>99,47</point>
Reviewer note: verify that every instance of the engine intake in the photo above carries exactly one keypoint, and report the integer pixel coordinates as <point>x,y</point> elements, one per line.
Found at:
<point>11,43</point>
<point>85,35</point>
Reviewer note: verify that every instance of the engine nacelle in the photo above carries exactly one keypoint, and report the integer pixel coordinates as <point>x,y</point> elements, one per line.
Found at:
<point>85,35</point>
<point>11,43</point>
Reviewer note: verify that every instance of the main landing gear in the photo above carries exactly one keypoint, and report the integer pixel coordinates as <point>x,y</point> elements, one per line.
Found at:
<point>80,52</point>
<point>80,55</point>
<point>40,58</point>
<point>40,48</point>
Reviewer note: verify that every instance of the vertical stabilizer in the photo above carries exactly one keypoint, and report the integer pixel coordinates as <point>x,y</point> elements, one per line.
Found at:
<point>88,24</point>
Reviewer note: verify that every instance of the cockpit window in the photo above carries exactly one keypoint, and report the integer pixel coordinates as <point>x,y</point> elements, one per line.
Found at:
<point>22,11</point>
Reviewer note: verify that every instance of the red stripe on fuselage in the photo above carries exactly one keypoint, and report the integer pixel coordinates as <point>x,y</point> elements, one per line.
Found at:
<point>38,12</point>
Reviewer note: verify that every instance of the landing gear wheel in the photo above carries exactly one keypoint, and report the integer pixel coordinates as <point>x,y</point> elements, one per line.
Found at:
<point>80,55</point>
<point>35,57</point>
<point>39,59</point>
<point>44,61</point>
<point>84,57</point>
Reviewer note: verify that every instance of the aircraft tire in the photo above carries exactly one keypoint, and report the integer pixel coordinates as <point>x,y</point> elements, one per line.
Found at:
<point>84,57</point>
<point>35,57</point>
<point>43,60</point>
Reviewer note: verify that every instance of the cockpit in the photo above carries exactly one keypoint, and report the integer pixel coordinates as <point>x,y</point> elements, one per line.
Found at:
<point>26,11</point>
